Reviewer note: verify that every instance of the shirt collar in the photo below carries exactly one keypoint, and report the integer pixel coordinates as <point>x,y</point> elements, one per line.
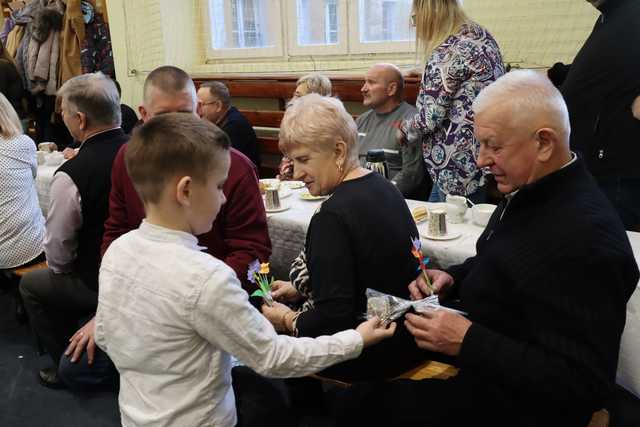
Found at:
<point>574,157</point>
<point>96,134</point>
<point>166,235</point>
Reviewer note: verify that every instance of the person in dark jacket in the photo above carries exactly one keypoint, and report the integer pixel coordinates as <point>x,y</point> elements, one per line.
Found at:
<point>545,294</point>
<point>214,105</point>
<point>58,297</point>
<point>600,88</point>
<point>10,81</point>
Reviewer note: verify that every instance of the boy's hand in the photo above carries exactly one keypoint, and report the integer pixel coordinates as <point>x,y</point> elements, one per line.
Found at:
<point>373,331</point>
<point>278,314</point>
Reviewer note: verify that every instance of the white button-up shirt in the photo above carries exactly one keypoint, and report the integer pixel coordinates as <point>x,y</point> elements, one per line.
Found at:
<point>171,316</point>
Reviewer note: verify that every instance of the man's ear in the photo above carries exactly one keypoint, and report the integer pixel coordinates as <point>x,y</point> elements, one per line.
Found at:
<point>144,115</point>
<point>547,139</point>
<point>82,120</point>
<point>392,89</point>
<point>184,191</point>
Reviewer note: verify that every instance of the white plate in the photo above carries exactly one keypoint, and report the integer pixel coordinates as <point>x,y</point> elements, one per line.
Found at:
<point>449,236</point>
<point>294,185</point>
<point>309,197</point>
<point>270,182</point>
<point>280,209</point>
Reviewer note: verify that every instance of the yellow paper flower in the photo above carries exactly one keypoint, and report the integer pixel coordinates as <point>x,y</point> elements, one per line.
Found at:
<point>264,268</point>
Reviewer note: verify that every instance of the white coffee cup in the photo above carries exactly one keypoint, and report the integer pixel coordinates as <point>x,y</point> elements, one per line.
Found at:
<point>480,213</point>
<point>455,213</point>
<point>458,201</point>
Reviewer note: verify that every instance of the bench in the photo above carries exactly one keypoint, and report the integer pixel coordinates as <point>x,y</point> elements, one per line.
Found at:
<point>280,88</point>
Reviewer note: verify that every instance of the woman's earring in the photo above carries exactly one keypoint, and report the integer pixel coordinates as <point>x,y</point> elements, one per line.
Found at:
<point>339,167</point>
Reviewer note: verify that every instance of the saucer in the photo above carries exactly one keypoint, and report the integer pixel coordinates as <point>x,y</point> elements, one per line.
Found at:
<point>280,209</point>
<point>294,185</point>
<point>449,236</point>
<point>308,196</point>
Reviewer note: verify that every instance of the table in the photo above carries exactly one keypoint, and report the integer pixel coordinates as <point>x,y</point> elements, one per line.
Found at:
<point>289,228</point>
<point>43,185</point>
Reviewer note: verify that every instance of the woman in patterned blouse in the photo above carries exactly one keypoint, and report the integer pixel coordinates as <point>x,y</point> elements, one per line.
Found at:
<point>463,58</point>
<point>22,224</point>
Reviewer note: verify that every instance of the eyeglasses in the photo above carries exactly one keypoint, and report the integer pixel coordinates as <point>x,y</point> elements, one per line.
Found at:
<point>208,103</point>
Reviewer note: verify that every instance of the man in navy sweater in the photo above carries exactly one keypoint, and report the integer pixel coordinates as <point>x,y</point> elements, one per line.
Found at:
<point>545,294</point>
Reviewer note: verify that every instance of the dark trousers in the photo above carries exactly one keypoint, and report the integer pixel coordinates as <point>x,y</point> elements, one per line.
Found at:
<point>456,402</point>
<point>260,401</point>
<point>80,376</point>
<point>624,194</point>
<point>56,303</point>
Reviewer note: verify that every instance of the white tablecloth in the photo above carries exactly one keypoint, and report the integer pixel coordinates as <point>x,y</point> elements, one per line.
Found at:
<point>43,185</point>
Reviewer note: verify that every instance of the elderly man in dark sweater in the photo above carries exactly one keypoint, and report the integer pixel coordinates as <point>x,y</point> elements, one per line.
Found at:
<point>545,294</point>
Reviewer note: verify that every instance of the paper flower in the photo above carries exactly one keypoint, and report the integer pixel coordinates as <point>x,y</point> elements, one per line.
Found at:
<point>416,250</point>
<point>257,273</point>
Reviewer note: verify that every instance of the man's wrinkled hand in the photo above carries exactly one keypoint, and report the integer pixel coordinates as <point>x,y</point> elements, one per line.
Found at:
<point>441,331</point>
<point>440,282</point>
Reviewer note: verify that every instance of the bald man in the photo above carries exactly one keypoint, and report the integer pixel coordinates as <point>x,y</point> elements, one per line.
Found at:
<point>545,294</point>
<point>383,93</point>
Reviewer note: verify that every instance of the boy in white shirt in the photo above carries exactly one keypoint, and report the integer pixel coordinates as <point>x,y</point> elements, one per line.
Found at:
<point>169,315</point>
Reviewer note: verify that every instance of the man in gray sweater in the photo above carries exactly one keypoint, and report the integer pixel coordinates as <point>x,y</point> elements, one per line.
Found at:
<point>383,93</point>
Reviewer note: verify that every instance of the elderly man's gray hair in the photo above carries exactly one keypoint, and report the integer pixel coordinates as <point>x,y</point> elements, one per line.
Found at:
<point>530,96</point>
<point>96,96</point>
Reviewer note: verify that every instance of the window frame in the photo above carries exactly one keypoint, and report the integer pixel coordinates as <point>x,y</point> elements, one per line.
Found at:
<point>294,49</point>
<point>274,51</point>
<point>358,47</point>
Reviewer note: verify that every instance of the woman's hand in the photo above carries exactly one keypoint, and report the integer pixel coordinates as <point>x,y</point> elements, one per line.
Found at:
<point>280,316</point>
<point>373,331</point>
<point>440,281</point>
<point>285,292</point>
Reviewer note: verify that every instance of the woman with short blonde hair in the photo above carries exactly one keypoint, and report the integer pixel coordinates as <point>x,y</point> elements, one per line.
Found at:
<point>22,225</point>
<point>357,239</point>
<point>462,59</point>
<point>313,83</point>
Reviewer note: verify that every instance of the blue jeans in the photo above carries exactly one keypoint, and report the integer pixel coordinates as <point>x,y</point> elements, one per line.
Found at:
<point>480,195</point>
<point>624,195</point>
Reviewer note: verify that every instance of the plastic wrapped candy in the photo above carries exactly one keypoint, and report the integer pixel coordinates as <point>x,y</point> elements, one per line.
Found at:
<point>389,308</point>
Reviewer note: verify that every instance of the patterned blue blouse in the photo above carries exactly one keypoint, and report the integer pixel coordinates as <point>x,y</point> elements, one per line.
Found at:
<point>455,73</point>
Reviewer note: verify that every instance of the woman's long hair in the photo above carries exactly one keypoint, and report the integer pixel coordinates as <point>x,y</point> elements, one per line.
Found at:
<point>10,125</point>
<point>436,20</point>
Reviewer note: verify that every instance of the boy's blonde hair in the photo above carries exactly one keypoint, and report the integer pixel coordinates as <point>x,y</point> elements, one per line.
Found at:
<point>169,145</point>
<point>436,20</point>
<point>318,122</point>
<point>10,125</point>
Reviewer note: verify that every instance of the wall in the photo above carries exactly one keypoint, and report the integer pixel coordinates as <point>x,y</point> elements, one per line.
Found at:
<point>149,33</point>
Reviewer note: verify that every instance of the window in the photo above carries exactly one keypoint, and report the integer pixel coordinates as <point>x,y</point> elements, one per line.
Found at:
<point>320,27</point>
<point>382,26</point>
<point>254,28</point>
<point>245,28</point>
